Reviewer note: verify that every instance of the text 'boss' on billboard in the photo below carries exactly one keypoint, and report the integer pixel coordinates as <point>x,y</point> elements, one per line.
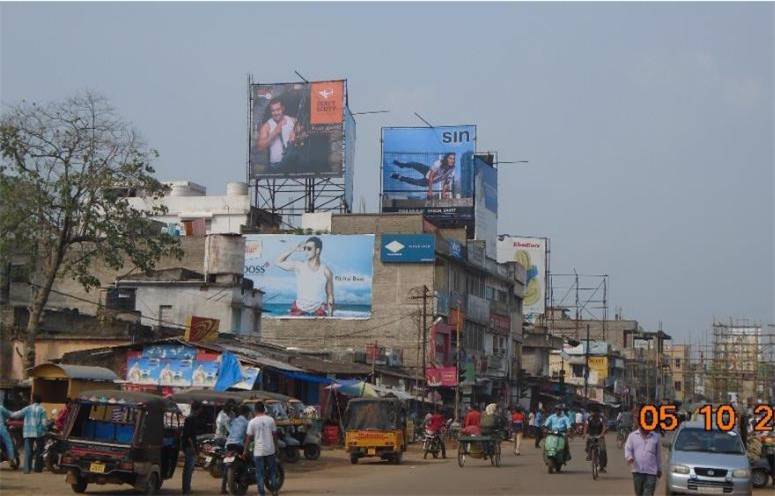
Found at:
<point>429,170</point>
<point>323,276</point>
<point>297,129</point>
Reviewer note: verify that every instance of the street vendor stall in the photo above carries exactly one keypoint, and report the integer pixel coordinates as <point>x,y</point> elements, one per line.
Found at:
<point>54,382</point>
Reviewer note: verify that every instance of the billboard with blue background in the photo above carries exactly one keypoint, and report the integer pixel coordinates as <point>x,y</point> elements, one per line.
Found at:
<point>429,170</point>
<point>312,276</point>
<point>408,248</point>
<point>486,204</point>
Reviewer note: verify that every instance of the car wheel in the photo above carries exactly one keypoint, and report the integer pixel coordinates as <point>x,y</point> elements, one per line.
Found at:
<point>152,484</point>
<point>312,452</point>
<point>759,478</point>
<point>79,486</point>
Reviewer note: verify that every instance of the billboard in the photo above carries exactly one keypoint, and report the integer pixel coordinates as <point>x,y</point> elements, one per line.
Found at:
<point>531,254</point>
<point>408,248</point>
<point>322,276</point>
<point>429,170</point>
<point>297,129</point>
<point>486,205</point>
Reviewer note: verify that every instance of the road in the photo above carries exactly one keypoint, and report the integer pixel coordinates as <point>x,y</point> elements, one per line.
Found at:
<point>333,474</point>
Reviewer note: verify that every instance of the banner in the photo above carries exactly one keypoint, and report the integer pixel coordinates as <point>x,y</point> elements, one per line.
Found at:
<point>297,129</point>
<point>429,170</point>
<point>324,276</point>
<point>531,254</point>
<point>408,248</point>
<point>201,329</point>
<point>441,376</point>
<point>486,206</point>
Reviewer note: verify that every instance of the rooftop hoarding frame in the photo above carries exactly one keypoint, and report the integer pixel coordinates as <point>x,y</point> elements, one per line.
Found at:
<point>429,170</point>
<point>314,151</point>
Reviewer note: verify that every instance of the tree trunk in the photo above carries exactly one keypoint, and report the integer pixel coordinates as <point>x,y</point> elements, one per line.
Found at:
<point>35,313</point>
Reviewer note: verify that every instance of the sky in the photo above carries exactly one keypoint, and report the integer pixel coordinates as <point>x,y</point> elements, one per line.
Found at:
<point>648,127</point>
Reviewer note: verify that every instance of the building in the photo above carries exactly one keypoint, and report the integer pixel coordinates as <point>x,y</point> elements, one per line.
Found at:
<point>458,285</point>
<point>598,372</point>
<point>191,211</point>
<point>678,357</point>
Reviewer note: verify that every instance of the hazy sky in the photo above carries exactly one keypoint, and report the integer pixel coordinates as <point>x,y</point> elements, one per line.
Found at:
<point>648,127</point>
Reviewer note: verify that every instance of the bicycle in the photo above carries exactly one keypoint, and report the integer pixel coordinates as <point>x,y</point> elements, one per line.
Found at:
<point>594,455</point>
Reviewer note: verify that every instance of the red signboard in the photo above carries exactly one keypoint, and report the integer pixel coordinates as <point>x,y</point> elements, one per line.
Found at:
<point>500,323</point>
<point>441,376</point>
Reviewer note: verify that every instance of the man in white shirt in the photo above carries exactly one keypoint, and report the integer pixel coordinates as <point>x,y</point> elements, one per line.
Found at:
<point>277,132</point>
<point>314,280</point>
<point>261,430</point>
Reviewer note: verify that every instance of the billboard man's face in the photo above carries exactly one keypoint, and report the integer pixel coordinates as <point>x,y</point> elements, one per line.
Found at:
<point>277,111</point>
<point>310,250</point>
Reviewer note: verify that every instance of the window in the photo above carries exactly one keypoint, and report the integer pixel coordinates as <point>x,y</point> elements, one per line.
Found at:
<point>489,293</point>
<point>678,363</point>
<point>236,319</point>
<point>165,314</point>
<point>677,385</point>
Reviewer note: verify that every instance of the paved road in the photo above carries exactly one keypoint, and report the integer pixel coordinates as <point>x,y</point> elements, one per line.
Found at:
<point>333,474</point>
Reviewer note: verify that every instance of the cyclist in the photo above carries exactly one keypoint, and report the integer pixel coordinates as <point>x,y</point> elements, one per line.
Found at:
<point>597,426</point>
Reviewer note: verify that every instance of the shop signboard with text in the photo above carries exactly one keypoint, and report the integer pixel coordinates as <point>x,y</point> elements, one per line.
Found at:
<point>408,248</point>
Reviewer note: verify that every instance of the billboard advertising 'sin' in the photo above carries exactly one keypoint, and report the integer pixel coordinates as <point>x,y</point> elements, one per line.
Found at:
<point>531,254</point>
<point>429,170</point>
<point>297,129</point>
<point>323,276</point>
<point>408,248</point>
<point>486,205</point>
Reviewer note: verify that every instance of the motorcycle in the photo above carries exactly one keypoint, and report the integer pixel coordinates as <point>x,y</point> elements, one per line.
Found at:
<point>554,451</point>
<point>763,468</point>
<point>241,474</point>
<point>434,444</point>
<point>308,436</point>
<point>52,453</point>
<point>211,451</point>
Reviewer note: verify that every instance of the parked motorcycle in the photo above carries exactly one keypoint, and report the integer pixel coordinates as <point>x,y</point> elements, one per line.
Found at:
<point>434,444</point>
<point>52,452</point>
<point>241,474</point>
<point>211,452</point>
<point>763,468</point>
<point>554,451</point>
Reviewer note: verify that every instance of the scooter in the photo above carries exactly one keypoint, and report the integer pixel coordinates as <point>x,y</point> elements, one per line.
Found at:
<point>212,451</point>
<point>241,474</point>
<point>554,451</point>
<point>52,452</point>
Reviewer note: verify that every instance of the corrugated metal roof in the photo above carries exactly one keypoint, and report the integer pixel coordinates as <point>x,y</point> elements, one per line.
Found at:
<point>87,372</point>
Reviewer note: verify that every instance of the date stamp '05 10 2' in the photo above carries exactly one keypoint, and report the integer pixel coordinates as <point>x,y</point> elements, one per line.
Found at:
<point>723,417</point>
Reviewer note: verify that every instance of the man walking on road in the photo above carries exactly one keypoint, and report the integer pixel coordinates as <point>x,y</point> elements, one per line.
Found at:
<point>191,428</point>
<point>35,424</point>
<point>642,453</point>
<point>262,430</point>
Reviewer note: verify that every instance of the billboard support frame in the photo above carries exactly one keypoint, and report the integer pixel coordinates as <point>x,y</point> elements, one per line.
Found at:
<point>291,197</point>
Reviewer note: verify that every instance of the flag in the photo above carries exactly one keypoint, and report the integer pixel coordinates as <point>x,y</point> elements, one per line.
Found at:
<point>229,372</point>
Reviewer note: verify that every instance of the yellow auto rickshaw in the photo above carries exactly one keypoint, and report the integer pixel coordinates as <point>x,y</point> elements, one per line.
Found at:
<point>375,427</point>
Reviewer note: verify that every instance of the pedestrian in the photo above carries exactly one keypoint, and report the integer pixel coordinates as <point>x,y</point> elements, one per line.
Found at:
<point>642,453</point>
<point>262,429</point>
<point>34,432</point>
<point>539,419</point>
<point>531,423</point>
<point>5,438</point>
<point>237,429</point>
<point>191,428</point>
<point>517,426</point>
<point>223,419</point>
<point>61,420</point>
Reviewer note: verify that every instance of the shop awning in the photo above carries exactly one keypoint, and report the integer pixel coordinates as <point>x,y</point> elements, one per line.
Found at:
<point>303,376</point>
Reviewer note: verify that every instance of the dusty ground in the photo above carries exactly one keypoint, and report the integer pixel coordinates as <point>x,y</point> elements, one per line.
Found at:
<point>333,474</point>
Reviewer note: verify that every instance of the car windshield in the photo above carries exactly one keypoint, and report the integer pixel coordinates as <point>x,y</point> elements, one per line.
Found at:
<point>709,442</point>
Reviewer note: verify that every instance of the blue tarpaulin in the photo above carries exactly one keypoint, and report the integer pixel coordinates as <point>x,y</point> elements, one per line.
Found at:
<point>318,379</point>
<point>229,372</point>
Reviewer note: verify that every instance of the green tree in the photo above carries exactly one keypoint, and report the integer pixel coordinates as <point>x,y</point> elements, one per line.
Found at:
<point>65,171</point>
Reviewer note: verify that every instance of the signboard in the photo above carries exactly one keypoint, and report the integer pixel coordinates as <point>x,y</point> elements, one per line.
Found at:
<point>201,329</point>
<point>179,366</point>
<point>325,276</point>
<point>531,254</point>
<point>486,205</point>
<point>297,129</point>
<point>408,248</point>
<point>500,323</point>
<point>429,170</point>
<point>455,249</point>
<point>441,376</point>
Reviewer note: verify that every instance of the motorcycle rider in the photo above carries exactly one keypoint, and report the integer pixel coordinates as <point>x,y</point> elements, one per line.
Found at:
<point>237,428</point>
<point>559,422</point>
<point>624,422</point>
<point>262,430</point>
<point>597,425</point>
<point>434,425</point>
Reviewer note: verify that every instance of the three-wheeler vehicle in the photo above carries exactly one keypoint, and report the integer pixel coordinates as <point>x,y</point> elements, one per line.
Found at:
<point>375,427</point>
<point>120,437</point>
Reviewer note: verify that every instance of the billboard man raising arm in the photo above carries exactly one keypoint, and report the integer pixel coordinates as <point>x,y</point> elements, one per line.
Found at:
<point>277,132</point>
<point>442,171</point>
<point>314,280</point>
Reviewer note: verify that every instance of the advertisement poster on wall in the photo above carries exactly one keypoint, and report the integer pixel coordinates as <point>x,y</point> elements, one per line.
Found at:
<point>297,129</point>
<point>531,254</point>
<point>486,205</point>
<point>318,276</point>
<point>429,170</point>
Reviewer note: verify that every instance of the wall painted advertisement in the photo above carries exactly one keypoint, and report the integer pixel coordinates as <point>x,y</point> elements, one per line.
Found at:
<point>429,170</point>
<point>531,254</point>
<point>297,129</point>
<point>486,205</point>
<point>322,276</point>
